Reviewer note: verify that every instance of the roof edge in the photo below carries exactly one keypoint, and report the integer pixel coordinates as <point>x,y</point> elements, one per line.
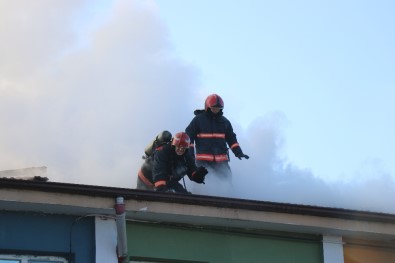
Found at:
<point>220,202</point>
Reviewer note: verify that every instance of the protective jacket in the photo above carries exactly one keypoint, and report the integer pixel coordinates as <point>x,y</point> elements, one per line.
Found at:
<point>210,133</point>
<point>166,167</point>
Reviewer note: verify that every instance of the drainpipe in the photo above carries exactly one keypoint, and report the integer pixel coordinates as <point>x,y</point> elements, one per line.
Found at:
<point>122,246</point>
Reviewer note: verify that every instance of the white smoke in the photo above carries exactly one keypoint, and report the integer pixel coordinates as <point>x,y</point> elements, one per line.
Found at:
<point>84,89</point>
<point>269,176</point>
<point>86,110</point>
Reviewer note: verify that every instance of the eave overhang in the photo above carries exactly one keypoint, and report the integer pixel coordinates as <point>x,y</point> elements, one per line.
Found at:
<point>194,210</point>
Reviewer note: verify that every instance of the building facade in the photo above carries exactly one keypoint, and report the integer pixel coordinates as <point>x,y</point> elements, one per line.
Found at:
<point>57,222</point>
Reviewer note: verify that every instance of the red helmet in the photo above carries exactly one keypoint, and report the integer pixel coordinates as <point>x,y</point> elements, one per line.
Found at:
<point>214,101</point>
<point>181,139</point>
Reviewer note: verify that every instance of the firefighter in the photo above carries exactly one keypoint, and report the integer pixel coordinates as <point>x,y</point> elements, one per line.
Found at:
<point>168,164</point>
<point>210,133</point>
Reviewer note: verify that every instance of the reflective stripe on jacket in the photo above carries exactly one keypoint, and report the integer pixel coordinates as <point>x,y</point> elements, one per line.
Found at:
<point>145,180</point>
<point>210,136</point>
<point>166,162</point>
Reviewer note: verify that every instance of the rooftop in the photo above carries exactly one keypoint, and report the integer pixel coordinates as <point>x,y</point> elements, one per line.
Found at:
<point>195,210</point>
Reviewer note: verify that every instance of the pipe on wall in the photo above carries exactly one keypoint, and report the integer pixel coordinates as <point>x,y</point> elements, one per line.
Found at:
<point>122,246</point>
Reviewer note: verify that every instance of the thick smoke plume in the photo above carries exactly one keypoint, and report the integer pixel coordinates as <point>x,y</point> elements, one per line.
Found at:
<point>84,89</point>
<point>85,101</point>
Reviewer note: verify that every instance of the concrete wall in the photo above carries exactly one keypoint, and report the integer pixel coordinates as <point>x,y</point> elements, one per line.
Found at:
<point>106,240</point>
<point>333,249</point>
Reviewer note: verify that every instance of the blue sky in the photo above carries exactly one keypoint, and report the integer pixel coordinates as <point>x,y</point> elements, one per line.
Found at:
<point>326,65</point>
<point>307,85</point>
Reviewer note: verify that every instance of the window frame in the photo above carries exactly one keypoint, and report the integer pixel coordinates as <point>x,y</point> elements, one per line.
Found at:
<point>29,258</point>
<point>133,259</point>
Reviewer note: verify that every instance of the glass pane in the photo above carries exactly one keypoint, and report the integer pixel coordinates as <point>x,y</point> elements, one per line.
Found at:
<point>42,261</point>
<point>9,261</point>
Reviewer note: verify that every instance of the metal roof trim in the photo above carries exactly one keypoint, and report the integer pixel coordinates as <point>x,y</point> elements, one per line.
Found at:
<point>213,201</point>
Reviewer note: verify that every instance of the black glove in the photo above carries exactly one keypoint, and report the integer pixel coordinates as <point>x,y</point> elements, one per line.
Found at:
<point>199,174</point>
<point>242,155</point>
<point>164,189</point>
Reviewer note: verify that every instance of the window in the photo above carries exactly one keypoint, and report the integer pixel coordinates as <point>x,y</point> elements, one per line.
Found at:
<point>30,259</point>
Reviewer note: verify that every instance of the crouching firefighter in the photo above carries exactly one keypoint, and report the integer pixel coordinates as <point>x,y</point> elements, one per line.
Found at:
<point>168,164</point>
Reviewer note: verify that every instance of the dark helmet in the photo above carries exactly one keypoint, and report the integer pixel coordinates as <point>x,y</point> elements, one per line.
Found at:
<point>213,101</point>
<point>181,139</point>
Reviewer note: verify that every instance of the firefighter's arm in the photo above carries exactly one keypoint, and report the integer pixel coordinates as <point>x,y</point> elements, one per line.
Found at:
<point>191,131</point>
<point>236,149</point>
<point>231,139</point>
<point>159,169</point>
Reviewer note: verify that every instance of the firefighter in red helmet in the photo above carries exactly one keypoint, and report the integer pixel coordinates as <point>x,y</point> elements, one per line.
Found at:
<point>167,165</point>
<point>211,134</point>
